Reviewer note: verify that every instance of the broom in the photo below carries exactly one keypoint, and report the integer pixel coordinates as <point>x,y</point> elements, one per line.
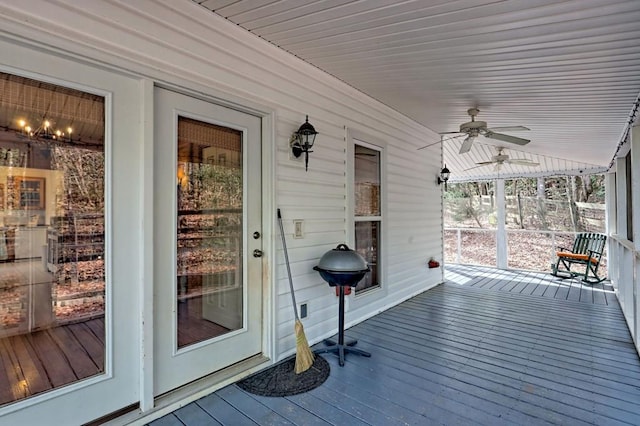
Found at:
<point>304,356</point>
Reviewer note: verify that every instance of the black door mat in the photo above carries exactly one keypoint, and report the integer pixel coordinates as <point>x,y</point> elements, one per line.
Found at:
<point>281,379</point>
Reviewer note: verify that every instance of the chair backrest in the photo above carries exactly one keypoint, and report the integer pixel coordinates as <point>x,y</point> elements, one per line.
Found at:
<point>589,243</point>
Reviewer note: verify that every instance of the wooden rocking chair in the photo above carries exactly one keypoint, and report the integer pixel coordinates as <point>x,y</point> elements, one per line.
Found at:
<point>587,250</point>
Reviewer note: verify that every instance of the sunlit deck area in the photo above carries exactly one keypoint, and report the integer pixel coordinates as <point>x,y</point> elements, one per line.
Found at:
<point>488,347</point>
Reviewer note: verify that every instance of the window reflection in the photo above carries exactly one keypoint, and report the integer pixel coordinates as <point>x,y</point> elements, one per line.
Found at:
<point>367,211</point>
<point>209,239</point>
<point>52,273</point>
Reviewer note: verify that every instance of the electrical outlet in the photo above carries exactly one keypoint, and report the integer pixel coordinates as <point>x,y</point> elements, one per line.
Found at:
<point>298,231</point>
<point>303,310</point>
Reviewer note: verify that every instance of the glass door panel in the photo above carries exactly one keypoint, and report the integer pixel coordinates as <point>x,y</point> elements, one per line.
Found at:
<point>52,236</point>
<point>209,232</point>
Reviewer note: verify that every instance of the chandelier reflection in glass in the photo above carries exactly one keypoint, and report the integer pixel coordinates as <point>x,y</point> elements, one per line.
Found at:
<point>44,131</point>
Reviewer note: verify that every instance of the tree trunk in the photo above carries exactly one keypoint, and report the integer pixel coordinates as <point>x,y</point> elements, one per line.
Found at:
<point>587,188</point>
<point>573,211</point>
<point>540,203</point>
<point>542,194</point>
<point>520,215</point>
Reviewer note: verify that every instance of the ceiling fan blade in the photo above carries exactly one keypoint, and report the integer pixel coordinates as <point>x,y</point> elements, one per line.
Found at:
<point>509,129</point>
<point>506,138</point>
<point>484,163</point>
<point>431,144</point>
<point>474,167</point>
<point>466,145</point>
<point>451,133</point>
<point>440,141</point>
<point>523,162</point>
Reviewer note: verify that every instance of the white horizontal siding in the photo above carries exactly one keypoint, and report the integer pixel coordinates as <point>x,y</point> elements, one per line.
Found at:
<point>174,43</point>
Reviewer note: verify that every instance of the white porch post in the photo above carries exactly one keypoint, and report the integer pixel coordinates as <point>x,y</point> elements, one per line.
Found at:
<point>610,202</point>
<point>621,197</point>
<point>635,224</point>
<point>635,185</point>
<point>501,235</point>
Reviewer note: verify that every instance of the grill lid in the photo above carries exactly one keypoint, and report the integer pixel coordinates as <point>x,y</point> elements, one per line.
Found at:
<point>342,259</point>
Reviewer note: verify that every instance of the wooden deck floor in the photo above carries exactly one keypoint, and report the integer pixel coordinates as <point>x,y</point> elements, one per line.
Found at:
<point>46,359</point>
<point>478,350</point>
<point>531,282</point>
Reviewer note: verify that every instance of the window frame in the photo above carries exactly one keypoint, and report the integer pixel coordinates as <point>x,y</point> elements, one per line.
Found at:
<point>355,137</point>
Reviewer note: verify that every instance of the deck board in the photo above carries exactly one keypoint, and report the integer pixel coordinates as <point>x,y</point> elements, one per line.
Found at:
<point>223,412</point>
<point>82,364</point>
<point>257,412</point>
<point>57,366</point>
<point>488,347</point>
<point>318,407</point>
<point>289,410</point>
<point>193,414</point>
<point>96,326</point>
<point>6,392</point>
<point>35,376</point>
<point>14,386</point>
<point>89,342</point>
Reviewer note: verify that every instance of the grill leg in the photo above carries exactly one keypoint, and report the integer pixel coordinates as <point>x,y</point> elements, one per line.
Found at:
<point>340,347</point>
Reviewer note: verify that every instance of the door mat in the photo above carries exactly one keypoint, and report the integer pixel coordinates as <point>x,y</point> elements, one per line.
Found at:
<point>281,379</point>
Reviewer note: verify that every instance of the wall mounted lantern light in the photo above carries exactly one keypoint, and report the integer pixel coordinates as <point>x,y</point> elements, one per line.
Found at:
<point>302,141</point>
<point>443,177</point>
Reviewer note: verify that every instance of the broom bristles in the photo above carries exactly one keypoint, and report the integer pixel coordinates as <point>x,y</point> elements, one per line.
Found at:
<point>304,355</point>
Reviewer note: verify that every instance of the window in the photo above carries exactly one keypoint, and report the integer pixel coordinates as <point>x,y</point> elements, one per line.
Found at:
<point>368,211</point>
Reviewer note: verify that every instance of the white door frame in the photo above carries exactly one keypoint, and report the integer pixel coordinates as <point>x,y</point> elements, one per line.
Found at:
<point>117,387</point>
<point>177,366</point>
<point>151,407</point>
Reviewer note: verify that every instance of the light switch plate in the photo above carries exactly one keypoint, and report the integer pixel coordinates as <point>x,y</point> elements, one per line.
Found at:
<point>298,230</point>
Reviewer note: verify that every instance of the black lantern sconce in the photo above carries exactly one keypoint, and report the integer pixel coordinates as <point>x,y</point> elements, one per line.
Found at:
<point>302,141</point>
<point>443,177</point>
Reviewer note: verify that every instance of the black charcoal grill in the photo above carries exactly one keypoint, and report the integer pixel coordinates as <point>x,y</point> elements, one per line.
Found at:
<point>342,267</point>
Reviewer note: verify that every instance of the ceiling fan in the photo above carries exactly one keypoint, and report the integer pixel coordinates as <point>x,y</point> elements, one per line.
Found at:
<point>474,128</point>
<point>500,158</point>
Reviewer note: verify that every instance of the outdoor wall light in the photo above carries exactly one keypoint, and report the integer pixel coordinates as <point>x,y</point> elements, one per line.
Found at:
<point>302,141</point>
<point>443,177</point>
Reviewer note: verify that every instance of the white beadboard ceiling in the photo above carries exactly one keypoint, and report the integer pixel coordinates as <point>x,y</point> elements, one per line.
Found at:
<point>568,70</point>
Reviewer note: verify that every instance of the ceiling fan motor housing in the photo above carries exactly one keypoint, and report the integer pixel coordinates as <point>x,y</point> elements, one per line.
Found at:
<point>472,125</point>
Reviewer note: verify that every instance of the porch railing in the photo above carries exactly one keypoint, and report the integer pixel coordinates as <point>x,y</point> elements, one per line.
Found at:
<point>625,277</point>
<point>526,249</point>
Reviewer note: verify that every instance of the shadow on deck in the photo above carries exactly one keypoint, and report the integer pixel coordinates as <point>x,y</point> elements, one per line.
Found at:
<point>487,347</point>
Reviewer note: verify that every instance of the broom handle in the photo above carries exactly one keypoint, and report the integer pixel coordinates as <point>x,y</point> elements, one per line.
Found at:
<point>286,261</point>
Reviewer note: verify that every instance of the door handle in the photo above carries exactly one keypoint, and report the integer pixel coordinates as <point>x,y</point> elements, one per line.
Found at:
<point>257,253</point>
